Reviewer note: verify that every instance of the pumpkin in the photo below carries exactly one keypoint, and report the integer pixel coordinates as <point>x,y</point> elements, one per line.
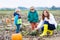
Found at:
<point>7,20</point>
<point>12,19</point>
<point>16,36</point>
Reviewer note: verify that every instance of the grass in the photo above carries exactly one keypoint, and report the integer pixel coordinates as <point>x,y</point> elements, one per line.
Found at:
<point>58,28</point>
<point>26,11</point>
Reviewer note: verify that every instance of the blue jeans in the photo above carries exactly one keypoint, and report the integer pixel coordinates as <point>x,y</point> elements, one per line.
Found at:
<point>17,28</point>
<point>50,26</point>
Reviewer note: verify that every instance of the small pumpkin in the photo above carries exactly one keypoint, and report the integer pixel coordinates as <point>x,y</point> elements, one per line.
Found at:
<point>7,20</point>
<point>12,19</point>
<point>16,36</point>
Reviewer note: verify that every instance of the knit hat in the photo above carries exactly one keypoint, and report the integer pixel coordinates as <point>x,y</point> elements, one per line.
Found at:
<point>17,9</point>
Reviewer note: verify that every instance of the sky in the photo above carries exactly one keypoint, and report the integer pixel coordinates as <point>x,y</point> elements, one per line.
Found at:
<point>28,3</point>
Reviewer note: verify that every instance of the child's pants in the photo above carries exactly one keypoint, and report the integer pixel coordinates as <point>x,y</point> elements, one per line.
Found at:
<point>17,28</point>
<point>34,25</point>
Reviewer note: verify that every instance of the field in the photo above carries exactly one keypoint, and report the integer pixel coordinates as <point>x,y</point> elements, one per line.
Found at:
<point>6,31</point>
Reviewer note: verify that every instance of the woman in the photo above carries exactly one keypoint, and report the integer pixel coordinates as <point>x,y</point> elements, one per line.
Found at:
<point>17,20</point>
<point>33,17</point>
<point>47,24</point>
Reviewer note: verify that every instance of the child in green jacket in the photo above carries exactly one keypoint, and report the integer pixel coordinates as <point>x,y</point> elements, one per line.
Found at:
<point>33,17</point>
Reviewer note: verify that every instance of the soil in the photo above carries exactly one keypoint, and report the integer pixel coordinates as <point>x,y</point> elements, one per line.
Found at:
<point>7,31</point>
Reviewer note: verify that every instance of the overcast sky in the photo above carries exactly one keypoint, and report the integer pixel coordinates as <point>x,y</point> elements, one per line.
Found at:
<point>28,3</point>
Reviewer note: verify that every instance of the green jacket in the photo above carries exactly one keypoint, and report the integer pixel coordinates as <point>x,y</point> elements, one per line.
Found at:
<point>33,16</point>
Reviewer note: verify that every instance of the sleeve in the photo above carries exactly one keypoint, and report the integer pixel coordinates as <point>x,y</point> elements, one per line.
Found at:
<point>40,24</point>
<point>14,14</point>
<point>52,20</point>
<point>29,16</point>
<point>55,22</point>
<point>15,19</point>
<point>19,16</point>
<point>36,16</point>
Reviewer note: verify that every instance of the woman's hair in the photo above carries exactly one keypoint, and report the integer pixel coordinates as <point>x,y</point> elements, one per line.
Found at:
<point>44,16</point>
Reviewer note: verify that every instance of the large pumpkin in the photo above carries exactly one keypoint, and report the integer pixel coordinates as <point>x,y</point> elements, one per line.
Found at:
<point>16,37</point>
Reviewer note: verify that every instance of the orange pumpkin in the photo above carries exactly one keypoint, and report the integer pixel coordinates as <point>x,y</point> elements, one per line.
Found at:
<point>12,19</point>
<point>7,20</point>
<point>16,37</point>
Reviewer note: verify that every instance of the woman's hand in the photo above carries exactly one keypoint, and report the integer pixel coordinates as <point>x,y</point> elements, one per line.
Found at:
<point>35,29</point>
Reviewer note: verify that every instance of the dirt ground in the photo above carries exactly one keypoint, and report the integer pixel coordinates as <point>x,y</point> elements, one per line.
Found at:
<point>7,31</point>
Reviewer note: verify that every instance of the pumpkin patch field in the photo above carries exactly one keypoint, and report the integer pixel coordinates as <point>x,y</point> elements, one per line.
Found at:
<point>7,27</point>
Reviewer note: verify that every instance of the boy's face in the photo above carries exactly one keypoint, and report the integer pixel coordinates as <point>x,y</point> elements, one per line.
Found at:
<point>32,9</point>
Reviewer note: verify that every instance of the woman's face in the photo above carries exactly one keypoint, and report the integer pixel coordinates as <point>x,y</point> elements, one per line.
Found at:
<point>45,14</point>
